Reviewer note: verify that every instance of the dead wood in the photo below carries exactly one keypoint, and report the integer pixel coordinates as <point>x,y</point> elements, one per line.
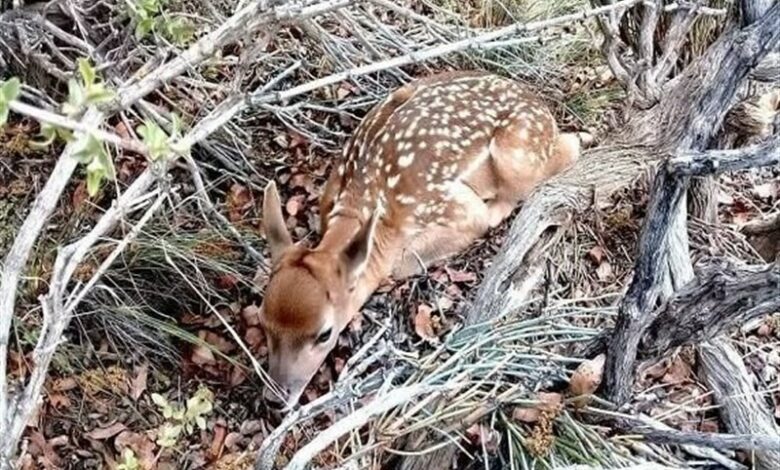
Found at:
<point>689,113</point>
<point>757,442</point>
<point>742,410</point>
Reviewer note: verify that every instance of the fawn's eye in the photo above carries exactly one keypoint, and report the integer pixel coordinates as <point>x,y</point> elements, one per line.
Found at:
<point>324,336</point>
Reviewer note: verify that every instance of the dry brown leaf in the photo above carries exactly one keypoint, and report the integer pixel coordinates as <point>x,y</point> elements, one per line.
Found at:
<point>655,371</point>
<point>109,431</point>
<point>140,444</point>
<point>586,379</point>
<point>80,195</point>
<point>255,338</point>
<point>239,200</point>
<point>295,204</point>
<point>43,449</point>
<point>138,384</point>
<point>461,276</point>
<point>596,254</point>
<point>423,324</point>
<point>59,400</point>
<point>526,415</point>
<point>237,375</point>
<point>549,401</point>
<point>218,442</point>
<point>251,315</point>
<point>217,341</point>
<point>65,384</point>
<point>202,355</point>
<point>679,371</point>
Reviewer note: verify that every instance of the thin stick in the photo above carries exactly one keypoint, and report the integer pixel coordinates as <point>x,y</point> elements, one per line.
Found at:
<point>475,42</point>
<point>379,405</point>
<point>42,115</point>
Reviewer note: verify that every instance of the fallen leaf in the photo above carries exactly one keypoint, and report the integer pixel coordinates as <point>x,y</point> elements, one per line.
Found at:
<point>109,431</point>
<point>80,195</point>
<point>297,139</point>
<point>549,401</point>
<point>255,338</point>
<point>140,444</point>
<point>586,379</point>
<point>44,450</point>
<point>65,384</point>
<point>294,204</point>
<point>251,427</point>
<point>679,371</point>
<point>596,254</point>
<point>251,315</point>
<point>423,324</point>
<point>59,400</point>
<point>461,276</point>
<point>526,415</point>
<point>655,371</point>
<point>239,200</point>
<point>138,384</point>
<point>237,376</point>
<point>225,281</point>
<point>218,441</point>
<point>233,440</point>
<point>217,341</point>
<point>483,436</point>
<point>202,355</point>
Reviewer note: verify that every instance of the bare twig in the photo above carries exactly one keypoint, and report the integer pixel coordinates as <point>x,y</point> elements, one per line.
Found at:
<point>59,120</point>
<point>379,405</point>
<point>711,162</point>
<point>742,409</point>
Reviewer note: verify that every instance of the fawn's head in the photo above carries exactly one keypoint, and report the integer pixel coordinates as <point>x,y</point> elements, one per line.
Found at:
<point>307,300</point>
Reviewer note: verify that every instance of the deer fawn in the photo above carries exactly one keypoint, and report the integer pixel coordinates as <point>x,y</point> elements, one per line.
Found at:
<point>428,171</point>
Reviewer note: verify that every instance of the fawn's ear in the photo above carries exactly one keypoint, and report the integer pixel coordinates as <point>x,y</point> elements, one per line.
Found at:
<point>355,255</point>
<point>273,222</point>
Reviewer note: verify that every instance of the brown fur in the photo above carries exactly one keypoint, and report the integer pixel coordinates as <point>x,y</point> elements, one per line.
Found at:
<point>439,162</point>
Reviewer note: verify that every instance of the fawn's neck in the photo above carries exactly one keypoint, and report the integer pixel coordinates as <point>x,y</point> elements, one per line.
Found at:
<point>338,235</point>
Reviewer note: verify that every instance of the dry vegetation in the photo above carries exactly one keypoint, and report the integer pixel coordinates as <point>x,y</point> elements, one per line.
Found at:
<point>161,367</point>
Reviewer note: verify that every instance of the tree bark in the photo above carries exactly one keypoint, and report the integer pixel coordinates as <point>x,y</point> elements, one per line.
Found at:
<point>743,410</point>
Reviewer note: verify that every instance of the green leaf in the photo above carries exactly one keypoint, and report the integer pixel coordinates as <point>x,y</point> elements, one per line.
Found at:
<point>87,71</point>
<point>95,174</point>
<point>129,461</point>
<point>156,140</point>
<point>48,133</point>
<point>75,98</point>
<point>178,30</point>
<point>143,27</point>
<point>98,93</point>
<point>10,89</point>
<point>168,434</point>
<point>3,113</point>
<point>201,422</point>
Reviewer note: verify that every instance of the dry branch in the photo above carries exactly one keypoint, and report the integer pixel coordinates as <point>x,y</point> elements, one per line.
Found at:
<point>15,413</point>
<point>751,441</point>
<point>721,298</point>
<point>742,409</point>
<point>687,117</point>
<point>720,161</point>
